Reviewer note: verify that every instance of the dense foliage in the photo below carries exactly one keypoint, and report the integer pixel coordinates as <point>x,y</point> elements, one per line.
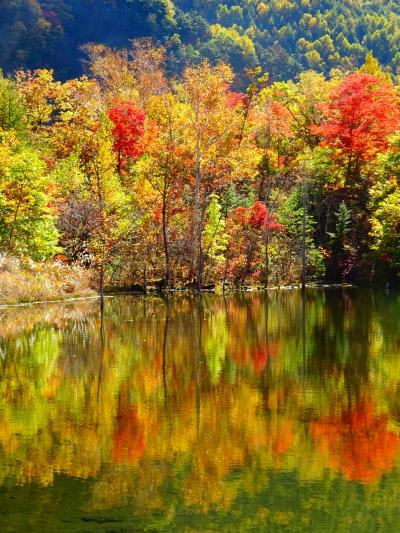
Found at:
<point>282,36</point>
<point>186,182</point>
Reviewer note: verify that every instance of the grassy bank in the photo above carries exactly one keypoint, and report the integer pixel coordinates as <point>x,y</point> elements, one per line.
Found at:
<point>23,281</point>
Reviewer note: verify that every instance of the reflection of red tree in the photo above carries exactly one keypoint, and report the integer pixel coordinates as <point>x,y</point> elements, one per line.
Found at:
<point>359,442</point>
<point>128,439</point>
<point>262,354</point>
<point>282,437</point>
<point>258,355</point>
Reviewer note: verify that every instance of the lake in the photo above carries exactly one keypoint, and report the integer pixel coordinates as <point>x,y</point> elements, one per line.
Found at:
<point>250,412</point>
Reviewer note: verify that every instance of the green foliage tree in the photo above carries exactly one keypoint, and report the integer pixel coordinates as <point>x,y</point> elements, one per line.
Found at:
<point>215,238</point>
<point>12,109</point>
<point>27,224</point>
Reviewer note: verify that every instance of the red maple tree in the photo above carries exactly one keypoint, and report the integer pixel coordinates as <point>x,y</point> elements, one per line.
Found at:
<point>257,216</point>
<point>128,120</point>
<point>362,112</point>
<point>260,218</point>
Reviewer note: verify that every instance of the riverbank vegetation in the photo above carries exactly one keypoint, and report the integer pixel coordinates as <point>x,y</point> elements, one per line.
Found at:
<point>187,182</point>
<point>22,281</point>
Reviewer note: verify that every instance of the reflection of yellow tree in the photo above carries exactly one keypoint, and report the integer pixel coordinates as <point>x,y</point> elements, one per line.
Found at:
<point>227,435</point>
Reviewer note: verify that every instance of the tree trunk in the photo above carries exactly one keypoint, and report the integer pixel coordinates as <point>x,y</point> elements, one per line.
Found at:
<point>303,240</point>
<point>166,244</point>
<point>225,270</point>
<point>196,222</point>
<point>199,275</point>
<point>101,282</point>
<point>200,254</point>
<point>145,279</point>
<point>266,275</point>
<point>103,238</point>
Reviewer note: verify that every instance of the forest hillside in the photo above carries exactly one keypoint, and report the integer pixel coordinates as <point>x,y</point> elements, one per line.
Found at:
<point>284,37</point>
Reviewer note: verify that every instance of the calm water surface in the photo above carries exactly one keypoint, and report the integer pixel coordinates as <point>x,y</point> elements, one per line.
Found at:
<point>251,412</point>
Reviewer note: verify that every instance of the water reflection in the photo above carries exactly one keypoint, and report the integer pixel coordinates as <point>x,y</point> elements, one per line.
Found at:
<point>185,407</point>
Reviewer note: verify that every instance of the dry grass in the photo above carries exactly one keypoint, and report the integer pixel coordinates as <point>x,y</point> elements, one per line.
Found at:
<point>22,281</point>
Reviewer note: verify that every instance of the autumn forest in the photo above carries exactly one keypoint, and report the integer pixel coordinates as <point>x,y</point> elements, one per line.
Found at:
<point>199,266</point>
<point>189,182</point>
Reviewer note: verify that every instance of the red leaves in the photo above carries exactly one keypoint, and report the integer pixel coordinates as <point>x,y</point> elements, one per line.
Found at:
<point>236,99</point>
<point>257,216</point>
<point>260,217</point>
<point>50,162</point>
<point>128,129</point>
<point>360,115</point>
<point>277,119</point>
<point>248,228</point>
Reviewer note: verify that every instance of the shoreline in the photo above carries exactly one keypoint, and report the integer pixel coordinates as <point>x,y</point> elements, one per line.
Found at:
<point>58,300</point>
<point>152,293</point>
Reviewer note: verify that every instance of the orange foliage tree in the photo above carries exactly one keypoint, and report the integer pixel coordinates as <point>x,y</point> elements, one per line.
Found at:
<point>362,112</point>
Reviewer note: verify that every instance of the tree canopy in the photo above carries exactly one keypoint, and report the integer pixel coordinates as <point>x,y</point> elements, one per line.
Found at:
<point>282,36</point>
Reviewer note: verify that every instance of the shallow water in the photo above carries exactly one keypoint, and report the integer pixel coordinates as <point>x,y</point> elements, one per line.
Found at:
<point>251,412</point>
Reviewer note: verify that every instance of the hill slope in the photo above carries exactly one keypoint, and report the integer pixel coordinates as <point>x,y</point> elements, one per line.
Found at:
<point>283,36</point>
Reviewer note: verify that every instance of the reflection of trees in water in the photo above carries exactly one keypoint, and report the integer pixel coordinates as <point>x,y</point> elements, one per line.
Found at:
<point>187,390</point>
<point>358,441</point>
